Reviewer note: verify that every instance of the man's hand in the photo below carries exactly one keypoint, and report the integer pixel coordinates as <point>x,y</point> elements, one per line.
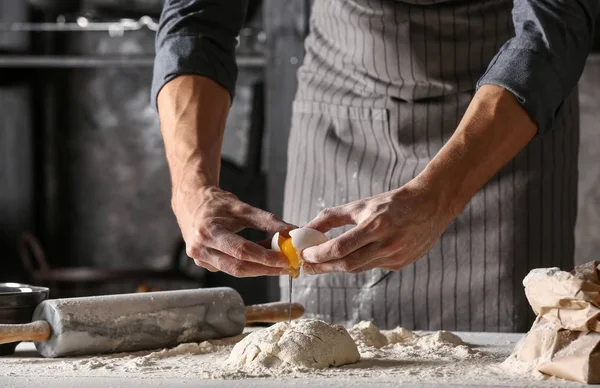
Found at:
<point>193,111</point>
<point>396,228</point>
<point>392,230</point>
<point>209,218</point>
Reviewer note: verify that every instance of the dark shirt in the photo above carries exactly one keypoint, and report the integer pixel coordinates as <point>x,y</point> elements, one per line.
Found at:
<point>540,65</point>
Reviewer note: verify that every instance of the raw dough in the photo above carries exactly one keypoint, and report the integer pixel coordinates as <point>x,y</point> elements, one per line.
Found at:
<point>308,343</point>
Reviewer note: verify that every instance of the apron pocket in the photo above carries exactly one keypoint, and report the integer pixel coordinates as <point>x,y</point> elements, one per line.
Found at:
<point>337,154</point>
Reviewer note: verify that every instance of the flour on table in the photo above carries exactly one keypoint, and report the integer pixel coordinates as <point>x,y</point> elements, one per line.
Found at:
<point>308,343</point>
<point>407,358</point>
<point>401,342</point>
<point>283,349</point>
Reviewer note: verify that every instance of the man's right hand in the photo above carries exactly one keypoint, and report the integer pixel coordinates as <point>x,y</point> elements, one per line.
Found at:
<point>193,111</point>
<point>210,218</point>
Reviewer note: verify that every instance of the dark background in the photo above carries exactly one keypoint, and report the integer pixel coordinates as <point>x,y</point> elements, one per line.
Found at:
<point>84,185</point>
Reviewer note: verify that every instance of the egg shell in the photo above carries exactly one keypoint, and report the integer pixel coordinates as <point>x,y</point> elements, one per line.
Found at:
<point>275,242</point>
<point>302,238</point>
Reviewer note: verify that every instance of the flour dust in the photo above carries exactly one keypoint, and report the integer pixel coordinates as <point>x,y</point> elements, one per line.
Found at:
<point>389,356</point>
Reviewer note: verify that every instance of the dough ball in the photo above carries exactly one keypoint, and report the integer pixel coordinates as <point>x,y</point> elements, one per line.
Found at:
<point>308,343</point>
<point>366,334</point>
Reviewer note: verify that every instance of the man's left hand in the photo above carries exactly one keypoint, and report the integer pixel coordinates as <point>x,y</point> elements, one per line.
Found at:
<point>396,228</point>
<point>392,230</point>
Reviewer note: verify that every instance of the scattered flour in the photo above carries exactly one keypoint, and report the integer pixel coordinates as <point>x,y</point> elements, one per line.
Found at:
<point>516,368</point>
<point>539,273</point>
<point>401,342</point>
<point>407,357</point>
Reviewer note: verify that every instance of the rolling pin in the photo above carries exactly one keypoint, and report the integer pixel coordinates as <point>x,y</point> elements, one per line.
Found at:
<point>140,321</point>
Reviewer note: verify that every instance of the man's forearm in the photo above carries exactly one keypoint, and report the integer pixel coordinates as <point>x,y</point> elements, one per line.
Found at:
<point>493,130</point>
<point>193,112</point>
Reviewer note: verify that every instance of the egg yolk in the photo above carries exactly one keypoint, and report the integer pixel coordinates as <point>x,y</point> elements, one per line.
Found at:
<point>288,250</point>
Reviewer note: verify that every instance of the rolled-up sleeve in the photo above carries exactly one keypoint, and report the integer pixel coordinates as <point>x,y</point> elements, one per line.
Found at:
<point>542,63</point>
<point>198,37</point>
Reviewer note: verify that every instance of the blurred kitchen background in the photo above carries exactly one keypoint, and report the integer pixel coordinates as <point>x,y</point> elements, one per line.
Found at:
<point>84,185</point>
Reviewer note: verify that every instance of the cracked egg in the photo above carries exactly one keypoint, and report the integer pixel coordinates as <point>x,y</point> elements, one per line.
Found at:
<point>292,246</point>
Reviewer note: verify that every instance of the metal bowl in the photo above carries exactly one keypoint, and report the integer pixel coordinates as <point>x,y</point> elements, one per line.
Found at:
<point>17,302</point>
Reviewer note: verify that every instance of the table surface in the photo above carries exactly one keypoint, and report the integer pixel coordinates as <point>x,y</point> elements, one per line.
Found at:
<point>27,369</point>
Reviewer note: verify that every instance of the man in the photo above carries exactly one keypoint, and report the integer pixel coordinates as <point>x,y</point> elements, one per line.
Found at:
<point>436,140</point>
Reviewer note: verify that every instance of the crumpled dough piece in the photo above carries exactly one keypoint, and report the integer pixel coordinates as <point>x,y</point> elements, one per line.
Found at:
<point>440,338</point>
<point>366,334</point>
<point>308,343</point>
<point>400,335</point>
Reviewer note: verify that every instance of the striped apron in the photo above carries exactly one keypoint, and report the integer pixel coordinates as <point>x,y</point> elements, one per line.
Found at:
<point>382,88</point>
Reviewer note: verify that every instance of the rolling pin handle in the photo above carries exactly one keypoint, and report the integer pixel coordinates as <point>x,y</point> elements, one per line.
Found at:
<point>273,312</point>
<point>35,331</point>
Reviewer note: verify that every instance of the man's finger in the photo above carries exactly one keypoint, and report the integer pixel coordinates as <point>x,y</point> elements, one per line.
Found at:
<point>238,268</point>
<point>339,247</point>
<point>262,220</point>
<point>334,217</point>
<point>241,249</point>
<point>379,263</point>
<point>265,243</point>
<point>358,261</point>
<point>207,266</point>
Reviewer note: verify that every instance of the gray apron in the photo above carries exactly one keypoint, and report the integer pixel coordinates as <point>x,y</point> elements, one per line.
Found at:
<point>382,88</point>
